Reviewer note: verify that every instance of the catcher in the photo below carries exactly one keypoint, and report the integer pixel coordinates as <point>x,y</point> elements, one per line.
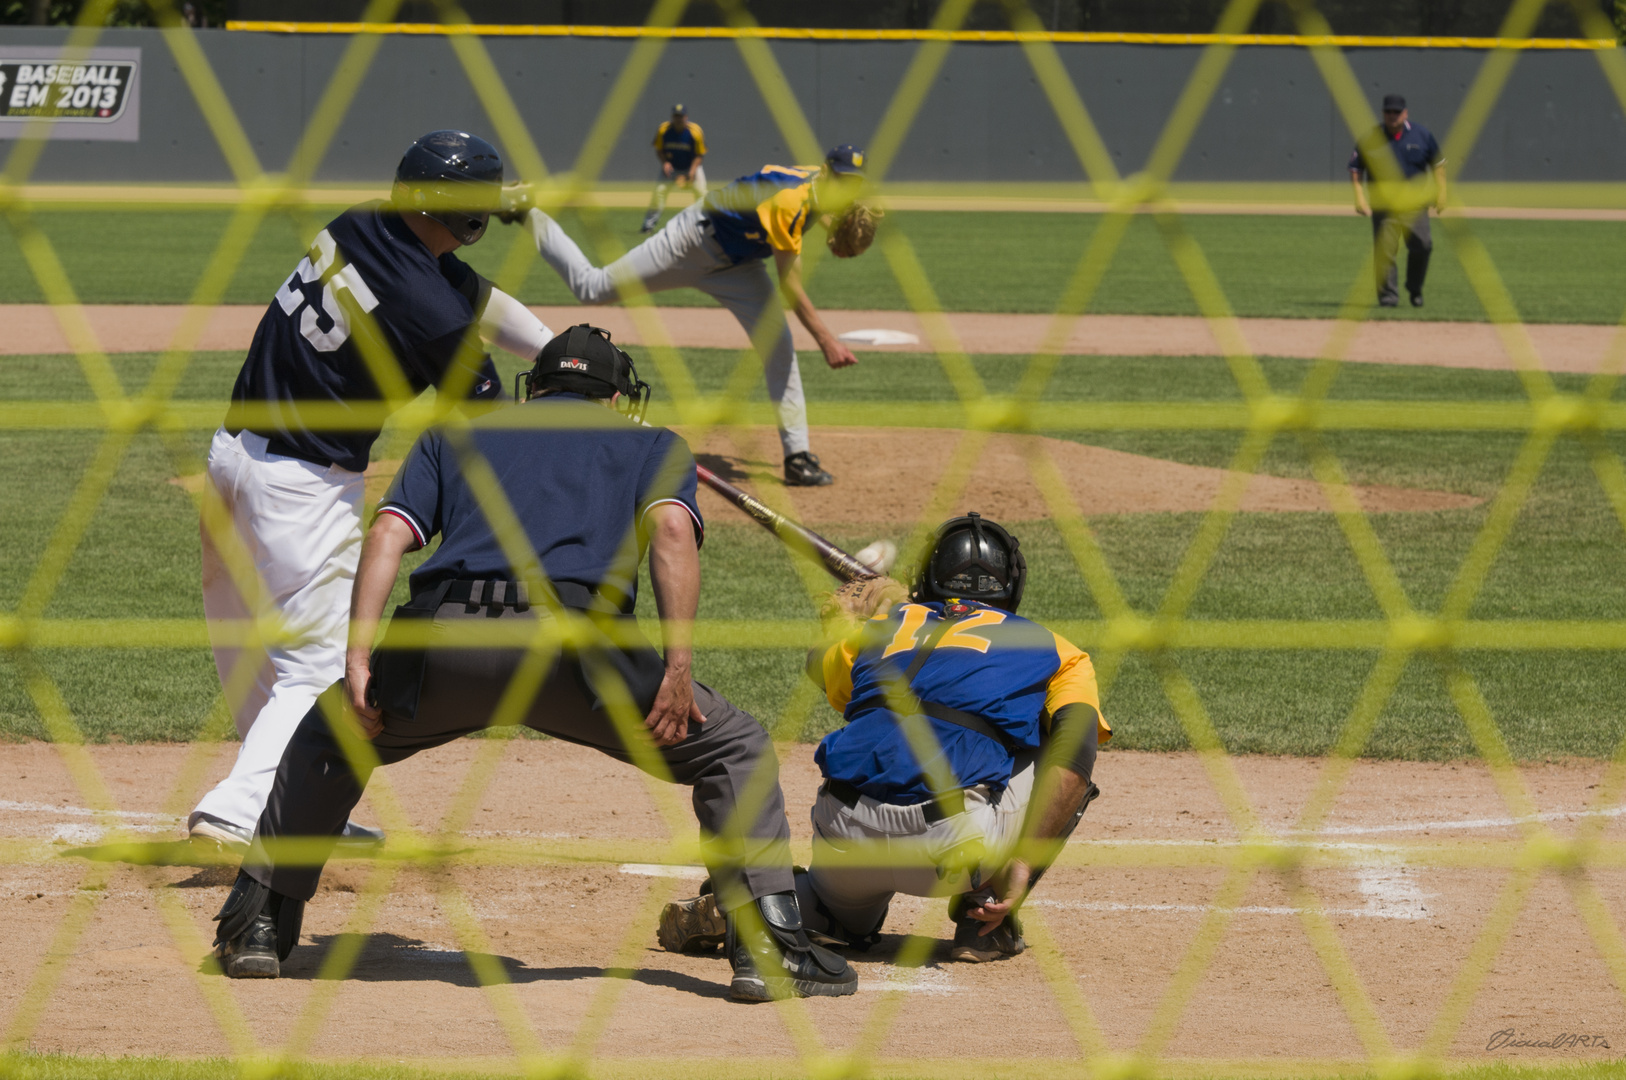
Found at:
<point>970,740</point>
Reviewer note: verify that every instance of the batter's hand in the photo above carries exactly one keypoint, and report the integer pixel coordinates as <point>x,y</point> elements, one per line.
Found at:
<point>674,710</point>
<point>838,355</point>
<point>358,678</point>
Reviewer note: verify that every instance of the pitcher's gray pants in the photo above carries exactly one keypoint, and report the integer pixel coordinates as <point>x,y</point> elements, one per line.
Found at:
<point>685,255</point>
<point>903,852</point>
<point>316,788</point>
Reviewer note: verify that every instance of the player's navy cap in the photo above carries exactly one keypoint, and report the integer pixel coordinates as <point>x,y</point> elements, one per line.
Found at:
<point>679,110</point>
<point>1393,103</point>
<point>846,159</point>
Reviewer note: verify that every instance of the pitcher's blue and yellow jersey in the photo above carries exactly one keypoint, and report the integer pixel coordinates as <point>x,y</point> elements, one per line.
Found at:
<point>1011,672</point>
<point>679,147</point>
<point>762,213</point>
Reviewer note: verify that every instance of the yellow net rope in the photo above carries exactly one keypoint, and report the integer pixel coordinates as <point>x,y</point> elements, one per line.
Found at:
<point>1402,633</point>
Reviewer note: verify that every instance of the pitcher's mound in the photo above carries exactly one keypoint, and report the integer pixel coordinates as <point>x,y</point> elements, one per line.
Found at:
<point>891,475</point>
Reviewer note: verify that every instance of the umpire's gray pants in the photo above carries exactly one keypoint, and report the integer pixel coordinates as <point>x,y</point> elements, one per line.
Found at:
<point>1389,231</point>
<point>866,853</point>
<point>728,761</point>
<point>685,255</point>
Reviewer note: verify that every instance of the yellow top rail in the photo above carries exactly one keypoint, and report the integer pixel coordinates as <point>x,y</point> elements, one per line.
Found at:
<point>1340,41</point>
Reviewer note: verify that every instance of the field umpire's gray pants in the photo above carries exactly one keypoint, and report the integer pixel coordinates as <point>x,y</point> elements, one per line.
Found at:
<point>684,254</point>
<point>909,851</point>
<point>1388,231</point>
<point>316,789</point>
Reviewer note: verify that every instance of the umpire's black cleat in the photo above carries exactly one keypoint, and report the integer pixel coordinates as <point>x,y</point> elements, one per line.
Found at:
<point>252,954</point>
<point>258,929</point>
<point>802,470</point>
<point>775,960</point>
<point>1416,299</point>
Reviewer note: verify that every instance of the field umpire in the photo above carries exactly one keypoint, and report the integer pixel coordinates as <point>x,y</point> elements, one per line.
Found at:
<point>593,489</point>
<point>1394,151</point>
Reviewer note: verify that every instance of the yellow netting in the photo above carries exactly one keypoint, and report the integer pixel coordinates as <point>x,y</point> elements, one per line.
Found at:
<point>1401,633</point>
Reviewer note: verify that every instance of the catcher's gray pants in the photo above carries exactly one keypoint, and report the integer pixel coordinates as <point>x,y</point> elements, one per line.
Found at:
<point>903,852</point>
<point>316,789</point>
<point>1388,230</point>
<point>684,254</point>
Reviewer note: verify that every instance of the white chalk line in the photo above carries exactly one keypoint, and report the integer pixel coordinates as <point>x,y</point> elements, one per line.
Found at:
<point>83,811</point>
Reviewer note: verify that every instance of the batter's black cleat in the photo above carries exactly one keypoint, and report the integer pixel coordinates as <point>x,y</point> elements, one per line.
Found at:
<point>1416,299</point>
<point>696,925</point>
<point>802,470</point>
<point>773,959</point>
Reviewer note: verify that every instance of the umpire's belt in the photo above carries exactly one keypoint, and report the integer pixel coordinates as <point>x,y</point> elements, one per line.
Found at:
<point>495,592</point>
<point>942,806</point>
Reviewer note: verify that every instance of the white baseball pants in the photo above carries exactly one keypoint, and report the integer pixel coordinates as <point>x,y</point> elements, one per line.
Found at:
<point>301,526</point>
<point>684,255</point>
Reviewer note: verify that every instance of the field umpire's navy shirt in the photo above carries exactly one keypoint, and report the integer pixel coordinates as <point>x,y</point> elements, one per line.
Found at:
<point>306,346</point>
<point>1413,147</point>
<point>580,490</point>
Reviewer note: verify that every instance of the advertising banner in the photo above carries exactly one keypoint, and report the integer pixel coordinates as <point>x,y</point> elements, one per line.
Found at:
<point>88,96</point>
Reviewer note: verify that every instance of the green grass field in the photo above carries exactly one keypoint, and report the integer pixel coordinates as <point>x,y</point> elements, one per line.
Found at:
<point>1297,267</point>
<point>1564,559</point>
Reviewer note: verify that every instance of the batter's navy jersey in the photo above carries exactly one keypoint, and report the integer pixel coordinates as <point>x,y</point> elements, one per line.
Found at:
<point>1011,672</point>
<point>309,344</point>
<point>580,480</point>
<point>762,213</point>
<point>1413,147</point>
<point>679,147</point>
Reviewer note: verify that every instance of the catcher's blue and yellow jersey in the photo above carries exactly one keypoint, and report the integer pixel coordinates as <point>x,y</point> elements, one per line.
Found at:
<point>680,146</point>
<point>762,213</point>
<point>1008,670</point>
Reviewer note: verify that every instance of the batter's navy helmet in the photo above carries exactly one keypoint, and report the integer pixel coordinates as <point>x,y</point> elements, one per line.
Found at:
<point>970,558</point>
<point>455,178</point>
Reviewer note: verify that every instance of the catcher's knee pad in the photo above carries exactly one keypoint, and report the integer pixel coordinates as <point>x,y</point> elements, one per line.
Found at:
<point>247,901</point>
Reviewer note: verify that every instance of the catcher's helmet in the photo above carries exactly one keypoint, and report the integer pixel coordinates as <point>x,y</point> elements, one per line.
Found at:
<point>970,558</point>
<point>583,360</point>
<point>453,177</point>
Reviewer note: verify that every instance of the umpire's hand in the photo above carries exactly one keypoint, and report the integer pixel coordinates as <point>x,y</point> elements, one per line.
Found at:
<point>358,678</point>
<point>674,710</point>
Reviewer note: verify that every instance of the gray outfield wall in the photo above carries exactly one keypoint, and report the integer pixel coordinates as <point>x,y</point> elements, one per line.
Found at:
<point>986,118</point>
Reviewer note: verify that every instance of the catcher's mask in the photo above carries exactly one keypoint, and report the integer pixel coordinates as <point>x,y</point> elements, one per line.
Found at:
<point>970,558</point>
<point>583,360</point>
<point>454,178</point>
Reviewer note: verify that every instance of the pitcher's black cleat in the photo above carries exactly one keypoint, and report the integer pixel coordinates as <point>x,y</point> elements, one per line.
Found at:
<point>802,470</point>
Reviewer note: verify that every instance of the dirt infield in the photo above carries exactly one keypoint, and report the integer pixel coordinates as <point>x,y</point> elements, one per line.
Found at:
<point>35,328</point>
<point>1123,926</point>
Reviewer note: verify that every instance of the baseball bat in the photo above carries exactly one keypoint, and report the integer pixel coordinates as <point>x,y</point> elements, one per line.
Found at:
<point>842,566</point>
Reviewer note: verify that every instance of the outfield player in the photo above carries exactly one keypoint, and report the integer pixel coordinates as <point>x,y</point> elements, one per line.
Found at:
<point>720,246</point>
<point>379,286</point>
<point>1004,712</point>
<point>1402,213</point>
<point>592,490</point>
<point>680,146</point>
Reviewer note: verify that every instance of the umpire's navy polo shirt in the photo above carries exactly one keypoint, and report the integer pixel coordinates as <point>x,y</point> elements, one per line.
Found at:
<point>1413,147</point>
<point>580,481</point>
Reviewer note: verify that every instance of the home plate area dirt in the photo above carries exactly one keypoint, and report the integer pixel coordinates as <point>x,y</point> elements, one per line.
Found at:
<point>1124,923</point>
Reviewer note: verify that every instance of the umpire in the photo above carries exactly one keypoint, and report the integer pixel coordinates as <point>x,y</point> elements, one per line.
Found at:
<point>593,489</point>
<point>1389,158</point>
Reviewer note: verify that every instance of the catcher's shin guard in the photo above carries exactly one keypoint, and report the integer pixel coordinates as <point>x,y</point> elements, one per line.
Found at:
<point>773,958</point>
<point>258,929</point>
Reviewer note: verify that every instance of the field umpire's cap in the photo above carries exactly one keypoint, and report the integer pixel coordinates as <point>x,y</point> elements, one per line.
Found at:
<point>583,360</point>
<point>455,178</point>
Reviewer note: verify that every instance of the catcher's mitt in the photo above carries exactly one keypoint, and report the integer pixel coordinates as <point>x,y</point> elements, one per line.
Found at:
<point>853,232</point>
<point>516,203</point>
<point>859,600</point>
